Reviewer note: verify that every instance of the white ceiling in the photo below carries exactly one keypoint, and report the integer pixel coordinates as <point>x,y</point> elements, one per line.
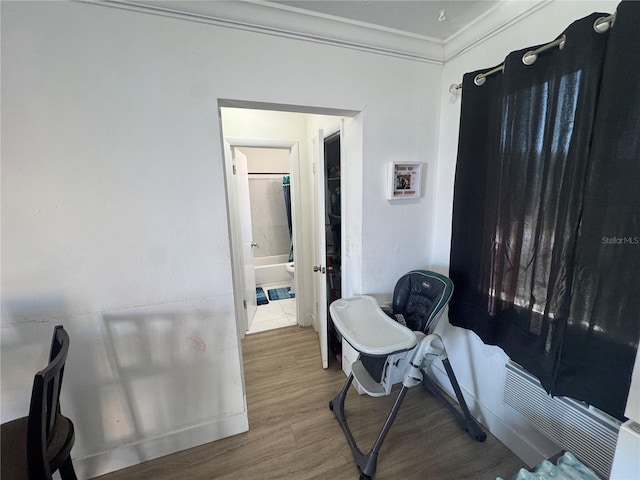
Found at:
<point>418,17</point>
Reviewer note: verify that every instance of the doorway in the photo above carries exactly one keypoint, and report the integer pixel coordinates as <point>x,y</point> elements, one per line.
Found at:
<point>243,243</point>
<point>294,130</point>
<point>271,236</point>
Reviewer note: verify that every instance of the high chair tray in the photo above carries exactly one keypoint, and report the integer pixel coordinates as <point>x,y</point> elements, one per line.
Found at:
<point>363,324</point>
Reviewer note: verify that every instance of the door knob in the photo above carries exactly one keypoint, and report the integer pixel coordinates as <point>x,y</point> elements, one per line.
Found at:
<point>254,244</point>
<point>318,268</point>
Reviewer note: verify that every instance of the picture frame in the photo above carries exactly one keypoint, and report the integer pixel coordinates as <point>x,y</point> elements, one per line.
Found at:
<point>404,180</point>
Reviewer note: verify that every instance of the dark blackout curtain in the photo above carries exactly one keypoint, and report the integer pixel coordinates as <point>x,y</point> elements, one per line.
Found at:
<point>546,213</point>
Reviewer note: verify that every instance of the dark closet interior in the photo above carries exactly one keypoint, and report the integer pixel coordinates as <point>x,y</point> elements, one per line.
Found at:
<point>332,233</point>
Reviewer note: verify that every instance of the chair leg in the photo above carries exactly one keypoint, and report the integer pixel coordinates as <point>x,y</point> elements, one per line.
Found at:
<point>470,424</point>
<point>66,470</point>
<point>462,416</point>
<point>366,463</point>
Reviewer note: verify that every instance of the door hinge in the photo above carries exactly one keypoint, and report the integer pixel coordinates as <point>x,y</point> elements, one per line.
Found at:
<point>234,169</point>
<point>244,304</point>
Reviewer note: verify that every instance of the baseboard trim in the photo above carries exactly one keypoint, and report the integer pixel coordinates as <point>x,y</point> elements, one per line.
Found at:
<point>135,453</point>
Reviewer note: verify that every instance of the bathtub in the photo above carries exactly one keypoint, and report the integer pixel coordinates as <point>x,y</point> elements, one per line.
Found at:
<point>270,270</point>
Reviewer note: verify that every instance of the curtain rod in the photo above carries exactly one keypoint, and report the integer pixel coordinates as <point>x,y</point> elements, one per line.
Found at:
<point>601,25</point>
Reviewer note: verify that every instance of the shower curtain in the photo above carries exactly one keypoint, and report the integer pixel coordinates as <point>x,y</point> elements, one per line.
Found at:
<point>286,190</point>
<point>546,215</point>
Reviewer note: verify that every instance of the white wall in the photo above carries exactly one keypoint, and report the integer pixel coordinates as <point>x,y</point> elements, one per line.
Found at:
<point>266,160</point>
<point>397,236</point>
<point>480,368</point>
<point>114,217</point>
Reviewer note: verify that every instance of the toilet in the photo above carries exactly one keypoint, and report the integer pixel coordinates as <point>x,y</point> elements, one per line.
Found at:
<point>290,270</point>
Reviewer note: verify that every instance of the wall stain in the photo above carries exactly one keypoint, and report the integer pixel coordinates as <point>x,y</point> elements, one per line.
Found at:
<point>197,344</point>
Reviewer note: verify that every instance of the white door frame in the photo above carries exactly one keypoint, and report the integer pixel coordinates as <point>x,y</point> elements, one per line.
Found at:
<point>237,263</point>
<point>351,199</point>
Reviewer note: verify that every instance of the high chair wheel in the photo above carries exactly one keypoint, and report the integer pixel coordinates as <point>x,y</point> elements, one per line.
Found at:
<point>364,477</point>
<point>481,437</point>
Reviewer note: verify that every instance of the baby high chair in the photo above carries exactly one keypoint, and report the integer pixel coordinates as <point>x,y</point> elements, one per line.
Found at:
<point>396,344</point>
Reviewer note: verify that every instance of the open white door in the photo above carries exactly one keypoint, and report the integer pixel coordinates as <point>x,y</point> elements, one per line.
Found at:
<point>321,250</point>
<point>246,233</point>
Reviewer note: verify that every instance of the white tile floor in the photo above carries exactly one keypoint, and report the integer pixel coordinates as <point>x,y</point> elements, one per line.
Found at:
<point>276,314</point>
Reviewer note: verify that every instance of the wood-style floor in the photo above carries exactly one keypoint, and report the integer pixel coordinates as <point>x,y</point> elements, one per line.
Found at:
<point>293,434</point>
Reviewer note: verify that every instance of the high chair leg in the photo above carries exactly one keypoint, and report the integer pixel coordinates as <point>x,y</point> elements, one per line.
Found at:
<point>462,416</point>
<point>366,463</point>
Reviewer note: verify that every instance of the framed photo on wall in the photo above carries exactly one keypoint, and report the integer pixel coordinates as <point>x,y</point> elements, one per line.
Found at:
<point>404,180</point>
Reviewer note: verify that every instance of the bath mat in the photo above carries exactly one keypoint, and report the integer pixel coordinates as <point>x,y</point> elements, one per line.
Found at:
<point>261,298</point>
<point>280,293</point>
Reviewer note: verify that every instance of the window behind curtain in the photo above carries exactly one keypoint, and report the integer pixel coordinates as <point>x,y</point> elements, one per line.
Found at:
<point>523,182</point>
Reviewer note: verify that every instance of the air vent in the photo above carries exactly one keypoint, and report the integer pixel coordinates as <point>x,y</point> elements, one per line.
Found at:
<point>585,431</point>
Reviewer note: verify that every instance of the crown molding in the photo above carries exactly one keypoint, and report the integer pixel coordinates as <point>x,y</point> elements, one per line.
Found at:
<point>494,21</point>
<point>289,22</point>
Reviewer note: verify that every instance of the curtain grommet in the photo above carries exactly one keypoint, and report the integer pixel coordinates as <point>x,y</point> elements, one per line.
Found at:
<point>529,58</point>
<point>602,24</point>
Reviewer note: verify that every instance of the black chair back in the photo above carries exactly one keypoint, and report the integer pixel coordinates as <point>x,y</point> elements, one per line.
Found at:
<point>49,436</point>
